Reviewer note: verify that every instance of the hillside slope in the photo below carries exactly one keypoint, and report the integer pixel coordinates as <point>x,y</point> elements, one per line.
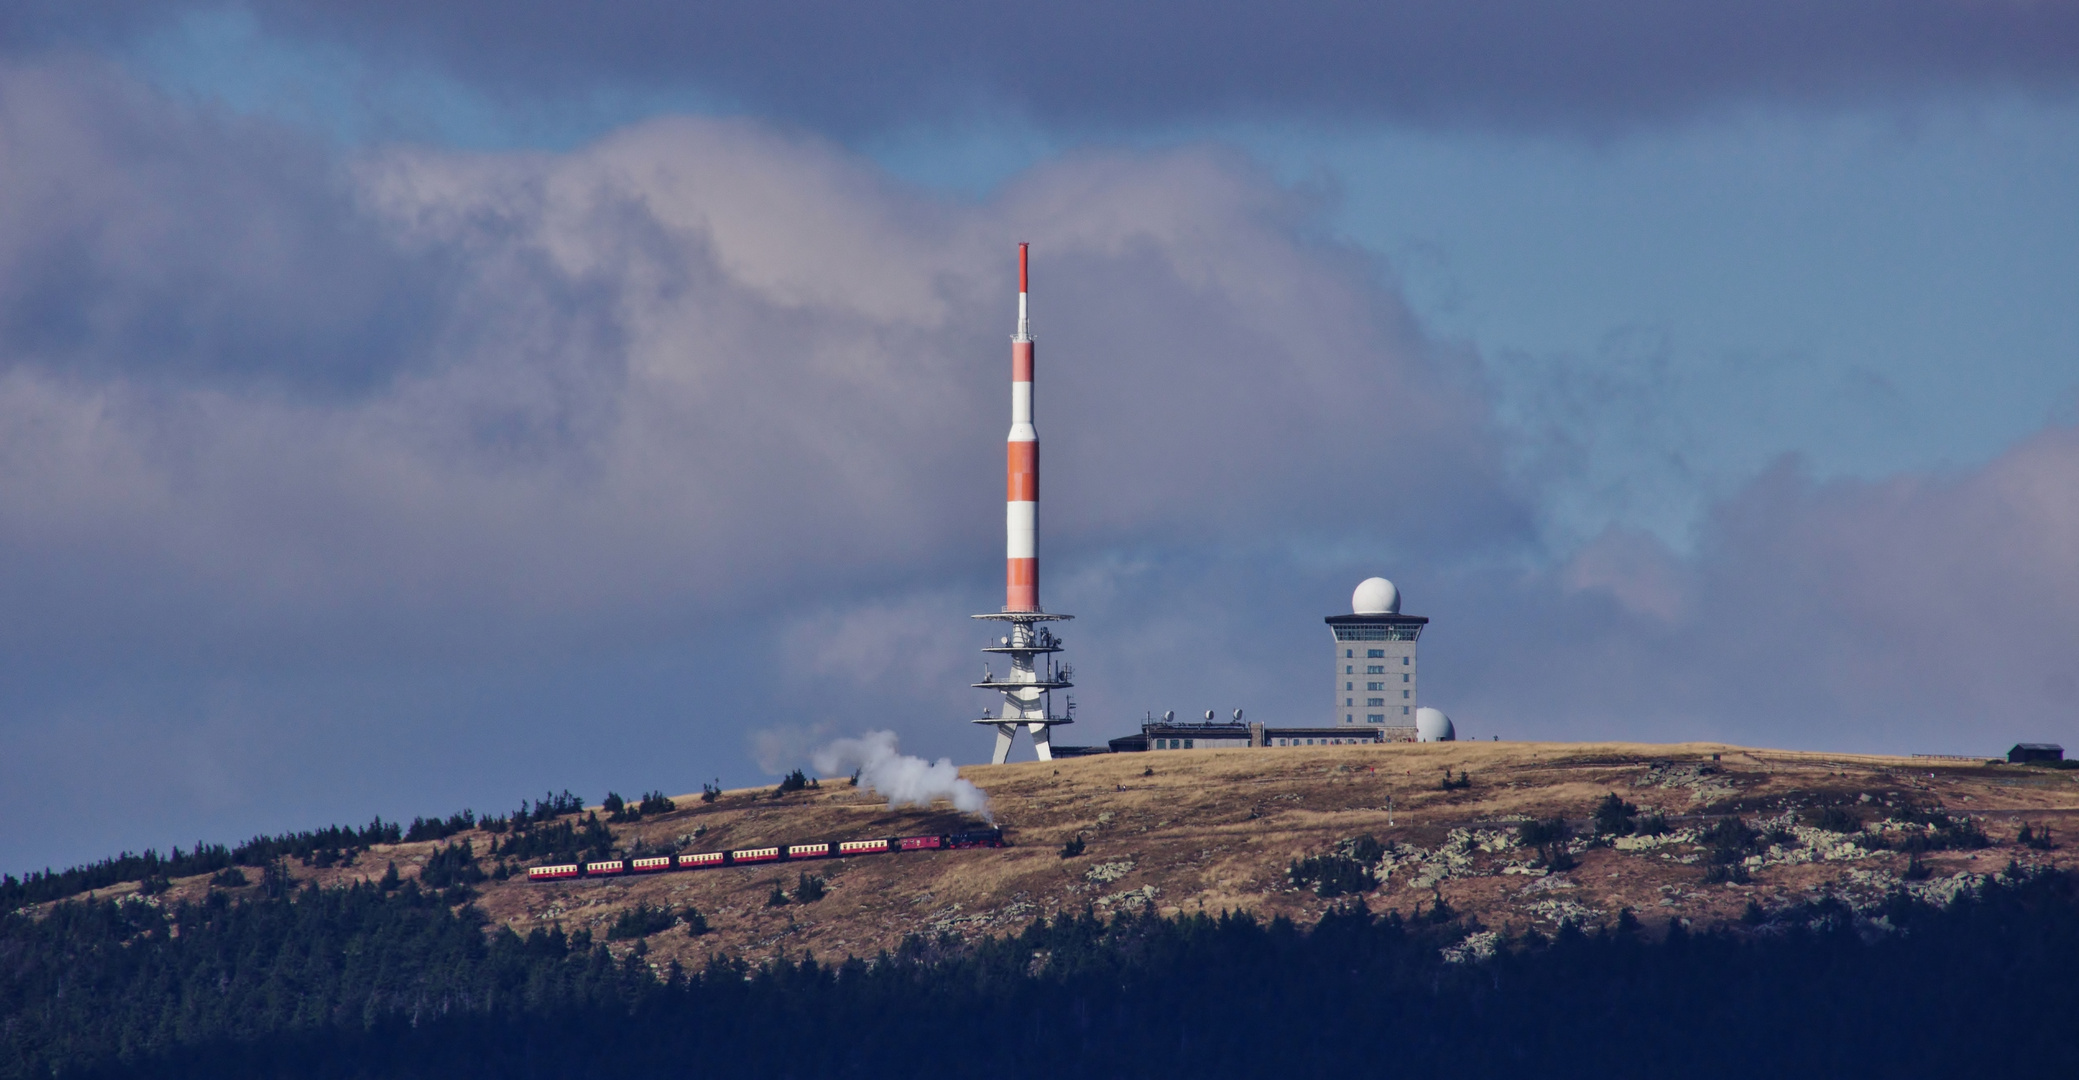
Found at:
<point>1216,830</point>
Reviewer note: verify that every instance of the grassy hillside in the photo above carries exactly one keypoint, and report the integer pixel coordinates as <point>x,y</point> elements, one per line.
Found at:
<point>1714,835</point>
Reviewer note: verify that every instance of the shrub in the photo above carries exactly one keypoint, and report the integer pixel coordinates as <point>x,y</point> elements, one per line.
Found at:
<point>229,877</point>
<point>2031,837</point>
<point>275,881</point>
<point>438,829</point>
<point>655,802</point>
<point>1724,873</point>
<point>1463,781</point>
<point>617,808</point>
<point>793,782</point>
<point>1550,837</point>
<point>452,865</point>
<point>1917,870</point>
<point>1835,819</point>
<point>1332,875</point>
<point>1730,839</point>
<point>709,792</point>
<point>559,841</point>
<point>640,921</point>
<point>1653,824</point>
<point>1928,830</point>
<point>548,808</point>
<point>1073,848</point>
<point>696,923</point>
<point>778,896</point>
<point>1365,849</point>
<point>1727,844</point>
<point>1613,816</point>
<point>810,889</point>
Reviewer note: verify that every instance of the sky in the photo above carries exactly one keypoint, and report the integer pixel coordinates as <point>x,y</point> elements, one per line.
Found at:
<point>410,407</point>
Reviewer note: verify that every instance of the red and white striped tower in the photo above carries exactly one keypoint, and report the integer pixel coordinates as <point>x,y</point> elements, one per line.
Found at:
<point>1027,689</point>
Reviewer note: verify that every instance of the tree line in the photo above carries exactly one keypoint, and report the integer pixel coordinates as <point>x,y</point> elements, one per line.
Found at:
<point>392,981</point>
<point>324,847</point>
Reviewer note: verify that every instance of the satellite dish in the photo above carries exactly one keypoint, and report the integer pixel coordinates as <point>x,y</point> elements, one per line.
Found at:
<point>1209,716</point>
<point>1238,716</point>
<point>1169,716</point>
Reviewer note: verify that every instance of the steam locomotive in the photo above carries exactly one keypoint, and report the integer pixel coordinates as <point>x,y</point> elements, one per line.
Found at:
<point>704,860</point>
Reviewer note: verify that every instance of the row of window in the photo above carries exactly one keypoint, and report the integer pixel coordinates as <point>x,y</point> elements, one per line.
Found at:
<point>1185,744</point>
<point>1378,633</point>
<point>1371,718</point>
<point>1371,654</point>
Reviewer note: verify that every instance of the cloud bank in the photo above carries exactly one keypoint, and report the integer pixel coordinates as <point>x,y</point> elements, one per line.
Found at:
<point>871,65</point>
<point>404,475</point>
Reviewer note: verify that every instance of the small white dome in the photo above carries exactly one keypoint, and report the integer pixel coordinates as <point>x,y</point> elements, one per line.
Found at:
<point>1375,596</point>
<point>1431,725</point>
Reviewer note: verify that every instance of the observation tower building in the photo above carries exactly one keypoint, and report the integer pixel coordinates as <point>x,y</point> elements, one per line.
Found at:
<point>1375,669</point>
<point>1028,687</point>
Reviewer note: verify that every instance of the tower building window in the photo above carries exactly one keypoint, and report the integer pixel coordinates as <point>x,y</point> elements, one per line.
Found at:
<point>1375,653</point>
<point>1375,702</point>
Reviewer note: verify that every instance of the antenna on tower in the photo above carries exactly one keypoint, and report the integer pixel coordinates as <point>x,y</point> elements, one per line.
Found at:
<point>1028,690</point>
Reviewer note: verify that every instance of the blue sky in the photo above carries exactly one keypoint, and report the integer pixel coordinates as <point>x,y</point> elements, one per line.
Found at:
<point>413,407</point>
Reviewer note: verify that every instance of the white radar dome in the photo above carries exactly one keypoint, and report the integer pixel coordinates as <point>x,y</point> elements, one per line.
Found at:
<point>1375,596</point>
<point>1431,725</point>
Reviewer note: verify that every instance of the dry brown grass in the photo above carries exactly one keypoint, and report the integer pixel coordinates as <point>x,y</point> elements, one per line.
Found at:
<point>1215,830</point>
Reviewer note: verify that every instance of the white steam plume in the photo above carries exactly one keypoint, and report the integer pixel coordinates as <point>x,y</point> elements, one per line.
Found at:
<point>905,780</point>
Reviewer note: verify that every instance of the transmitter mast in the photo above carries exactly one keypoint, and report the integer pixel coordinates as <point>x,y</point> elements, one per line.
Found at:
<point>1028,687</point>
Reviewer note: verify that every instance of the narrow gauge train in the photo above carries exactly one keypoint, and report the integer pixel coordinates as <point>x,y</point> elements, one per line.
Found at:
<point>783,853</point>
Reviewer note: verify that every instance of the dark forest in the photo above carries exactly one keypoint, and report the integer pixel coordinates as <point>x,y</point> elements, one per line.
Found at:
<point>396,981</point>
